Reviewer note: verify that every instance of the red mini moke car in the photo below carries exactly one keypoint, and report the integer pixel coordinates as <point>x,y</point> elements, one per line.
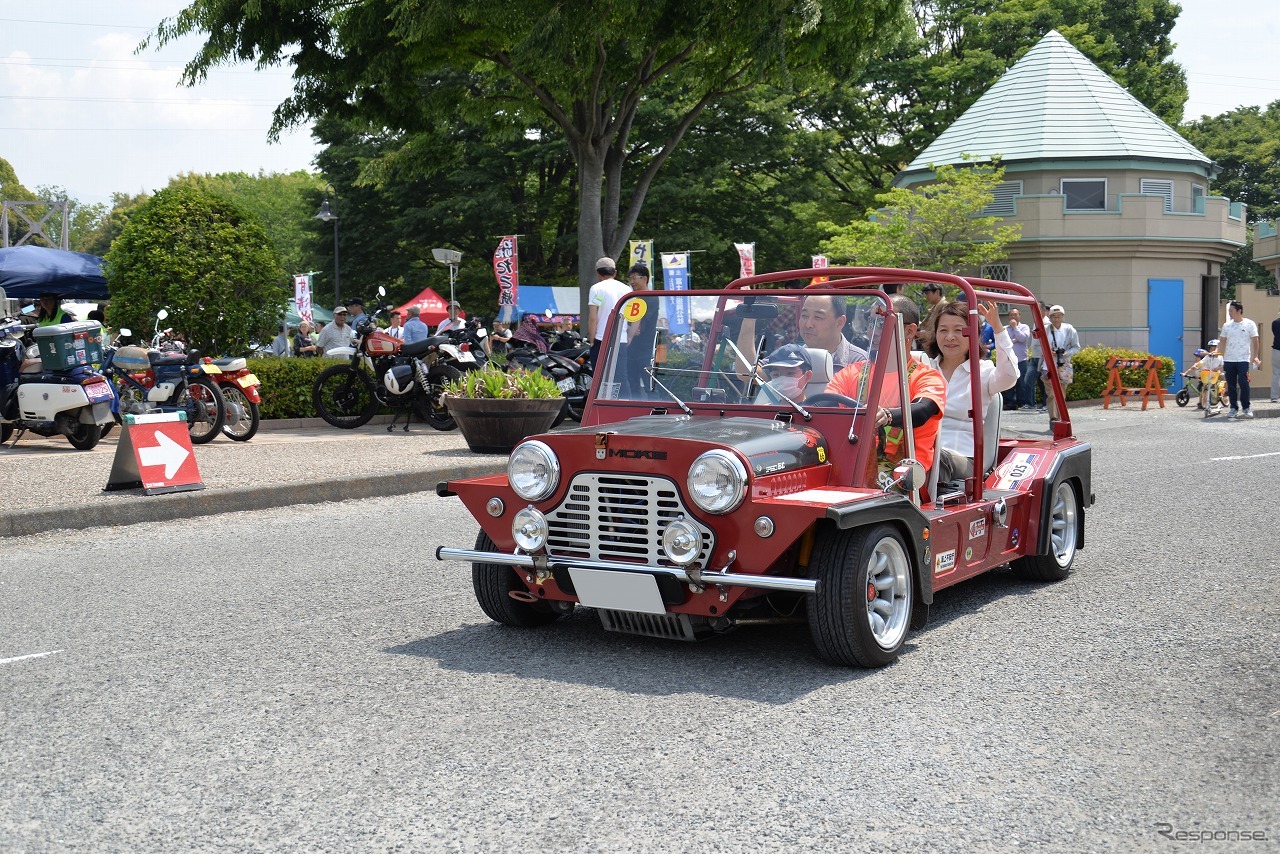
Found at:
<point>695,495</point>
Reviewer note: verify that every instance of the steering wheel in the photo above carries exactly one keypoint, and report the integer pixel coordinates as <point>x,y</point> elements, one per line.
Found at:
<point>828,398</point>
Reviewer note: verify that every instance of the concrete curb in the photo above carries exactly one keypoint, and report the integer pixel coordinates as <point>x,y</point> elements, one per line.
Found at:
<point>182,505</point>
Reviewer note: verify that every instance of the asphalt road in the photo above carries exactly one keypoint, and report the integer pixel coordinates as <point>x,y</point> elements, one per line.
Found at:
<point>311,679</point>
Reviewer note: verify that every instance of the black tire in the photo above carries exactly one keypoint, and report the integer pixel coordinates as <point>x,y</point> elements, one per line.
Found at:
<point>564,412</point>
<point>84,436</point>
<point>1064,537</point>
<point>243,415</point>
<point>575,407</point>
<point>848,626</point>
<point>206,410</point>
<point>343,396</point>
<point>1183,397</point>
<point>430,405</point>
<point>493,582</point>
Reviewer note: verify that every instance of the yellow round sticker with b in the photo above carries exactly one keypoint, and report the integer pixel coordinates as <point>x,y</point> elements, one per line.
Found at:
<point>633,310</point>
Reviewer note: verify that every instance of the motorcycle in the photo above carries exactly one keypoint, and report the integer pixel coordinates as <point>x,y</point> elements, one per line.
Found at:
<point>241,392</point>
<point>568,367</point>
<point>166,380</point>
<point>73,401</point>
<point>383,370</point>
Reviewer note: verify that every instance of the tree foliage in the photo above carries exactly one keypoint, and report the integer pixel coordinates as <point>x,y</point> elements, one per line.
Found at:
<point>585,67</point>
<point>935,227</point>
<point>916,86</point>
<point>203,258</point>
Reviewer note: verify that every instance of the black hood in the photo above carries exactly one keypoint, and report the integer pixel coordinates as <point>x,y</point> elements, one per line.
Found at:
<point>771,446</point>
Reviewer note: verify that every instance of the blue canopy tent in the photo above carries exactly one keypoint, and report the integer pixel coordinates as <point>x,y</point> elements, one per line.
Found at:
<point>28,271</point>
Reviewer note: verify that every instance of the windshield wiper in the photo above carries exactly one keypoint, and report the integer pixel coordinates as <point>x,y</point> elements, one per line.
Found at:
<point>755,368</point>
<point>770,390</point>
<point>653,378</point>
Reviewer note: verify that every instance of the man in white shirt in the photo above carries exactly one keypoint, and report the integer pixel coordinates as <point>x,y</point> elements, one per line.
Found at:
<point>336,334</point>
<point>604,295</point>
<point>395,330</point>
<point>1239,349</point>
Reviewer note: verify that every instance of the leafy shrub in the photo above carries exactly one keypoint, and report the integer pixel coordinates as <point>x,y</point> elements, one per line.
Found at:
<point>286,384</point>
<point>203,258</point>
<point>491,382</point>
<point>1090,366</point>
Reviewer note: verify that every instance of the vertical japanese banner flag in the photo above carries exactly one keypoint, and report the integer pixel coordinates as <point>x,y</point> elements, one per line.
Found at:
<point>746,258</point>
<point>506,269</point>
<point>642,253</point>
<point>820,262</point>
<point>675,277</point>
<point>302,297</point>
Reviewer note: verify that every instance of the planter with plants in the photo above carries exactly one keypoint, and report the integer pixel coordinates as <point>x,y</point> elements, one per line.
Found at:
<point>496,409</point>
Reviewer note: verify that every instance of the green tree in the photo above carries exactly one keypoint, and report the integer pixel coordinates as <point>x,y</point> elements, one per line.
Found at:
<point>935,227</point>
<point>1245,144</point>
<point>880,119</point>
<point>281,202</point>
<point>585,67</point>
<point>204,259</point>
<point>98,239</point>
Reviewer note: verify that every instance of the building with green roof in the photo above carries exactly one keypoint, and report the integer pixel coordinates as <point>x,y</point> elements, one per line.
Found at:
<point>1117,223</point>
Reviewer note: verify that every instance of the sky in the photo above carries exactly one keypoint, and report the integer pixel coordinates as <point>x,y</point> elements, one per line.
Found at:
<point>80,110</point>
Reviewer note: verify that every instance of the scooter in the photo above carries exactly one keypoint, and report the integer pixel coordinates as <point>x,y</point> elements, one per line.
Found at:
<point>72,401</point>
<point>242,393</point>
<point>151,380</point>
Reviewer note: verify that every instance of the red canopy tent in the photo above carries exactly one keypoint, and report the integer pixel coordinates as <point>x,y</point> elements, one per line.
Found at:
<point>435,308</point>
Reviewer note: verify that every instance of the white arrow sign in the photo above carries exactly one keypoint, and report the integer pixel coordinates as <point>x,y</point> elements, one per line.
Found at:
<point>168,453</point>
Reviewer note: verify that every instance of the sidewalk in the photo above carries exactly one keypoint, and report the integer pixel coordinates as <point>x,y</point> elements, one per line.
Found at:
<point>306,461</point>
<point>303,461</point>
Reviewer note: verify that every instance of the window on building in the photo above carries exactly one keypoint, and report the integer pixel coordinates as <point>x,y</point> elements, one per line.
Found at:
<point>1197,199</point>
<point>1158,187</point>
<point>999,272</point>
<point>1085,194</point>
<point>1003,204</point>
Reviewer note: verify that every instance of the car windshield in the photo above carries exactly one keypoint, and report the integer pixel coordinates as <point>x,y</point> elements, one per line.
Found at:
<point>739,347</point>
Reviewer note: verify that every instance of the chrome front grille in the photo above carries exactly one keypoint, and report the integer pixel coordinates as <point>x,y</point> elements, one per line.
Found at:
<point>619,518</point>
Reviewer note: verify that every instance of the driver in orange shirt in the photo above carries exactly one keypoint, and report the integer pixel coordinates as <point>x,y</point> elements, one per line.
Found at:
<point>925,386</point>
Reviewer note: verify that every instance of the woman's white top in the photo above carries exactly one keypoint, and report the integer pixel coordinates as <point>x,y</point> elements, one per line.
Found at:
<point>956,431</point>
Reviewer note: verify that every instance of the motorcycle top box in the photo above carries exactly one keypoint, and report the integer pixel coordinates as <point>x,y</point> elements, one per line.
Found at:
<point>66,345</point>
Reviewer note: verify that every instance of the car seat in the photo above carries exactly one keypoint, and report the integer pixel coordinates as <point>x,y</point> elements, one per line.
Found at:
<point>990,445</point>
<point>821,360</point>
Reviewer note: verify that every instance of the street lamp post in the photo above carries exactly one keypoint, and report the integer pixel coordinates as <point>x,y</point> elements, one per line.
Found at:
<point>327,215</point>
<point>451,258</point>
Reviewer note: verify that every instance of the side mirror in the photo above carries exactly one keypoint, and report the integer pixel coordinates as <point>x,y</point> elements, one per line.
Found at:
<point>908,474</point>
<point>482,333</point>
<point>382,292</point>
<point>162,314</point>
<point>548,314</point>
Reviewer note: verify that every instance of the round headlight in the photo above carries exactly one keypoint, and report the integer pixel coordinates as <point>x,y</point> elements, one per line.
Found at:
<point>682,542</point>
<point>717,481</point>
<point>529,530</point>
<point>533,471</point>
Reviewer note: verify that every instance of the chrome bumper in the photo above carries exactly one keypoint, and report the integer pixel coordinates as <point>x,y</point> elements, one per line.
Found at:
<point>707,577</point>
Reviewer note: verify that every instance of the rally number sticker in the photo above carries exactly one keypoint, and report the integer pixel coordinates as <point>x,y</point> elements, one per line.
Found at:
<point>633,310</point>
<point>1017,470</point>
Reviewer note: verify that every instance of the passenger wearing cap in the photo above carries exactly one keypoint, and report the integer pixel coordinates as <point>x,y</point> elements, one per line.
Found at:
<point>1064,343</point>
<point>788,371</point>
<point>336,334</point>
<point>604,295</point>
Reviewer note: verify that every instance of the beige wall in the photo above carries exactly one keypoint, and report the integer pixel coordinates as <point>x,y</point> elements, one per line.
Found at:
<point>1261,308</point>
<point>1119,182</point>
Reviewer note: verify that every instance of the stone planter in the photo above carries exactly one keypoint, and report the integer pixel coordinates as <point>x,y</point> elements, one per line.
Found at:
<point>496,426</point>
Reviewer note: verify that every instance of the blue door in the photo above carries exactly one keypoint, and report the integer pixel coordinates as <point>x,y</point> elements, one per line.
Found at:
<point>1165,319</point>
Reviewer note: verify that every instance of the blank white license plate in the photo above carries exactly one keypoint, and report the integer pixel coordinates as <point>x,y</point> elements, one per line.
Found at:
<point>565,385</point>
<point>617,591</point>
